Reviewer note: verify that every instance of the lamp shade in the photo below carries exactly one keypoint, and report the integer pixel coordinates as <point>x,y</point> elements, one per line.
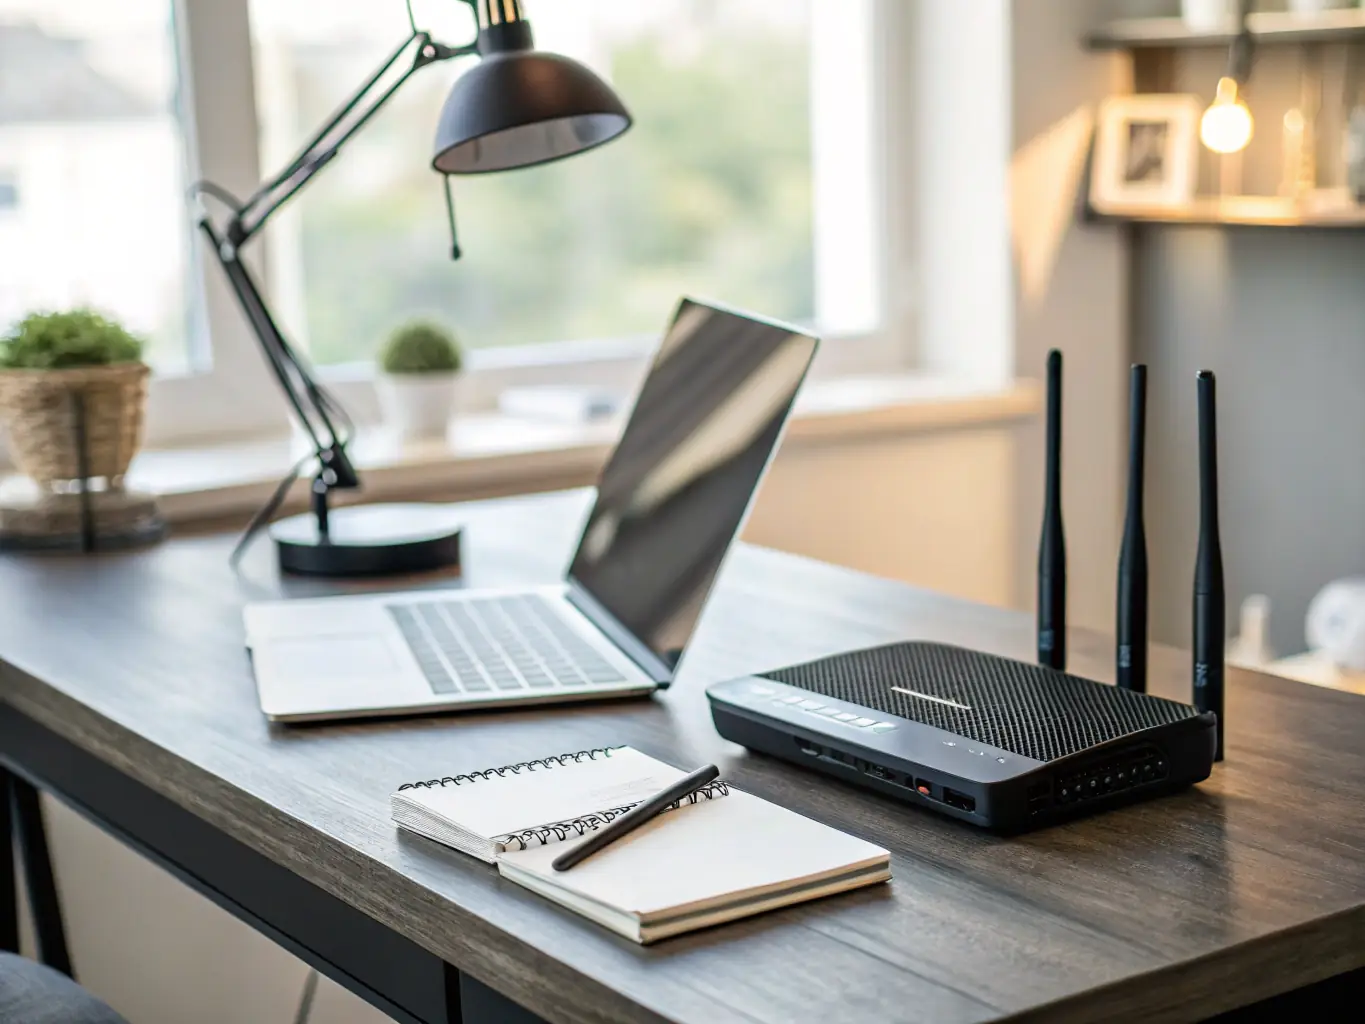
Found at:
<point>521,107</point>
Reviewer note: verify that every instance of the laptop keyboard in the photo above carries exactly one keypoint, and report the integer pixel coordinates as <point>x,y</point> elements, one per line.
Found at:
<point>489,645</point>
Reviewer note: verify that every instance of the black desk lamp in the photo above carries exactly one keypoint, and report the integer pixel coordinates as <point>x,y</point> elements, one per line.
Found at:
<point>516,108</point>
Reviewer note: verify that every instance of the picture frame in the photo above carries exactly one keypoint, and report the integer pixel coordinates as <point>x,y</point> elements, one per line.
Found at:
<point>1146,152</point>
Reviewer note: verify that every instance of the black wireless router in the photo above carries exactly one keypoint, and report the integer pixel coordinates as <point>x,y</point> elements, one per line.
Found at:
<point>996,742</point>
<point>1000,743</point>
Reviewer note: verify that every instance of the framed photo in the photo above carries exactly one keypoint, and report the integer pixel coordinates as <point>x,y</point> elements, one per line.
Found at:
<point>1146,151</point>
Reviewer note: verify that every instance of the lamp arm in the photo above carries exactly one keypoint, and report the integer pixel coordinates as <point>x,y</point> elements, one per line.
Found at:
<point>319,414</point>
<point>316,411</point>
<point>328,141</point>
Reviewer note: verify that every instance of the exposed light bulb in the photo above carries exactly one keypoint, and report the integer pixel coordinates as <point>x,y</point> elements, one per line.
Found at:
<point>1226,126</point>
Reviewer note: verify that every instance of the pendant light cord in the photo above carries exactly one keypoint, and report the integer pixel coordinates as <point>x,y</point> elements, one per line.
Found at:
<point>1241,49</point>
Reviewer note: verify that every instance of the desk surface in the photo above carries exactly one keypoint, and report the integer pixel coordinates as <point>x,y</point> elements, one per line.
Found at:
<point>1247,885</point>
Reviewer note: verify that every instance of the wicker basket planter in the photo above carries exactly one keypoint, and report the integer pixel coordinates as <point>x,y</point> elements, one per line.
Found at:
<point>40,412</point>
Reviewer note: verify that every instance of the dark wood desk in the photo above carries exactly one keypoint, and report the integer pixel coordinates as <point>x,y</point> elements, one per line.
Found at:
<point>127,693</point>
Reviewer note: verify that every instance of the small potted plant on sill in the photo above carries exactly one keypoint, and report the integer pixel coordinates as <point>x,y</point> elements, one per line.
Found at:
<point>418,366</point>
<point>67,374</point>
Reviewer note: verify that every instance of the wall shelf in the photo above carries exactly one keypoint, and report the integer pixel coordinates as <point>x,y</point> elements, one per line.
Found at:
<point>1249,211</point>
<point>1267,26</point>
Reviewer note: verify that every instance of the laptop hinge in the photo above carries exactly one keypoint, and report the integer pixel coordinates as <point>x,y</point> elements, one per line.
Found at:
<point>624,640</point>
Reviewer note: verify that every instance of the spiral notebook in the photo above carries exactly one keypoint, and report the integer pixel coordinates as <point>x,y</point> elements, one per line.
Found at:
<point>719,856</point>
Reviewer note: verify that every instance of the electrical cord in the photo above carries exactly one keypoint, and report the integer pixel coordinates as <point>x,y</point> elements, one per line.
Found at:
<point>205,187</point>
<point>306,997</point>
<point>267,511</point>
<point>277,498</point>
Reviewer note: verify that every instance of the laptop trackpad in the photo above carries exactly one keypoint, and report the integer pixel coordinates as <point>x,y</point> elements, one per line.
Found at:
<point>333,657</point>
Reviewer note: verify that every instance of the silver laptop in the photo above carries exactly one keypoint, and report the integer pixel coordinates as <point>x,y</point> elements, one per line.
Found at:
<point>670,502</point>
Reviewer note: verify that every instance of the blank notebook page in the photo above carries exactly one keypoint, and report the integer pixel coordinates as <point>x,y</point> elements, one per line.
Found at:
<point>707,854</point>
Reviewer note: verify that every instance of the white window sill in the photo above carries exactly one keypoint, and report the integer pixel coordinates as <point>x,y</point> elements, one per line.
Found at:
<point>488,454</point>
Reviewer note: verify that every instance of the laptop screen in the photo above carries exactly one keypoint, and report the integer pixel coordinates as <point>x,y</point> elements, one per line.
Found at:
<point>674,493</point>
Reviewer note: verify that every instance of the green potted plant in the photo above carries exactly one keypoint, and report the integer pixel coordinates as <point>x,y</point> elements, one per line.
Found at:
<point>59,368</point>
<point>418,367</point>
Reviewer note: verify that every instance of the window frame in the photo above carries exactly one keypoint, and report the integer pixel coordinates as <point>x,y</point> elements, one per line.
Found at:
<point>234,394</point>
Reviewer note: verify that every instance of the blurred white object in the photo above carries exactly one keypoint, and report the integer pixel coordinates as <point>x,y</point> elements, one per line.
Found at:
<point>1314,667</point>
<point>1317,6</point>
<point>1202,15</point>
<point>1251,647</point>
<point>1336,623</point>
<point>560,403</point>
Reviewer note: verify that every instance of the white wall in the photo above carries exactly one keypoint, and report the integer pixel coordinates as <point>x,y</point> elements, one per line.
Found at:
<point>845,140</point>
<point>932,509</point>
<point>1082,310</point>
<point>959,119</point>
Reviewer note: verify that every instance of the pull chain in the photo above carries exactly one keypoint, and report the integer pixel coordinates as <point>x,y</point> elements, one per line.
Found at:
<point>450,217</point>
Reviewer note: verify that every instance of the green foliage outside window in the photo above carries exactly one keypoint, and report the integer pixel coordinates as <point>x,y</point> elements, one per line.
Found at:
<point>708,194</point>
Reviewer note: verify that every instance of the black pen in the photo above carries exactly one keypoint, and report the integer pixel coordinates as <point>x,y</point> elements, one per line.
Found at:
<point>636,816</point>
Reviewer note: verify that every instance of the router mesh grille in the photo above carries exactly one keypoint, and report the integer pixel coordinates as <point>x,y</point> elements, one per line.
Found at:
<point>1011,705</point>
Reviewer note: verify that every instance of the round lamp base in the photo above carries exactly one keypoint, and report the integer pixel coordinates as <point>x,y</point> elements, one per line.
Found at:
<point>370,540</point>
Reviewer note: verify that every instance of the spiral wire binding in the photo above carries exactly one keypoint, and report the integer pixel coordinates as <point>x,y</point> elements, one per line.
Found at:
<point>562,830</point>
<point>557,761</point>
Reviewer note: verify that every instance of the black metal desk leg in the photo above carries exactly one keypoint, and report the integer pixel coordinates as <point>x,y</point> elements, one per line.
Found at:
<point>9,897</point>
<point>479,1004</point>
<point>41,886</point>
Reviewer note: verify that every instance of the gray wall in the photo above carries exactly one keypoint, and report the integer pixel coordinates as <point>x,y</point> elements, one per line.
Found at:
<point>1280,316</point>
<point>1278,313</point>
<point>1084,312</point>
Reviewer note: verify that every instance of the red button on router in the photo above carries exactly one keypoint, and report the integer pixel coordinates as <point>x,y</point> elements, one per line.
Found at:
<point>923,789</point>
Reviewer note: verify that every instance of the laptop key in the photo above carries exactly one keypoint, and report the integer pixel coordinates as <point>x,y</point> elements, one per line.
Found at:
<point>503,644</point>
<point>440,681</point>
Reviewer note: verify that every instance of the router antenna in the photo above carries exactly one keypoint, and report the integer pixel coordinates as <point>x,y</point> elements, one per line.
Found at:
<point>1052,544</point>
<point>1132,598</point>
<point>1209,618</point>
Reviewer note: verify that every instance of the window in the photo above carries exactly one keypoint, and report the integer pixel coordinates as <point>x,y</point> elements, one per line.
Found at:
<point>709,193</point>
<point>753,175</point>
<point>88,125</point>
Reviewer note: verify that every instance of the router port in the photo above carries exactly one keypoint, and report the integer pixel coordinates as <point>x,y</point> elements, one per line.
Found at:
<point>877,771</point>
<point>961,801</point>
<point>807,747</point>
<point>1039,797</point>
